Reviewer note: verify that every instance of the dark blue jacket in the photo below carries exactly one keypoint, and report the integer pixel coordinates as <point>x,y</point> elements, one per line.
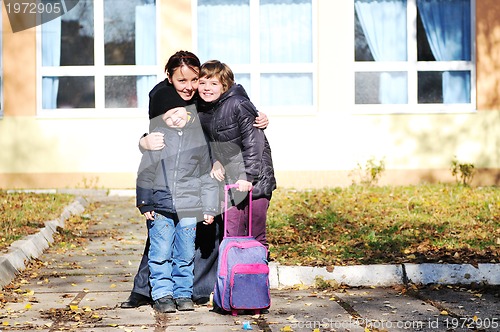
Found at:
<point>242,148</point>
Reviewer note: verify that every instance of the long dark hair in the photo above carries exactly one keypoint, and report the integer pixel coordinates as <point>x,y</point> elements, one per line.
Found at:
<point>182,58</point>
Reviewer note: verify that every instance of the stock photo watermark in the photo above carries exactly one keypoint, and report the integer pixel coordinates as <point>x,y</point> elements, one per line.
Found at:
<point>25,14</point>
<point>437,323</point>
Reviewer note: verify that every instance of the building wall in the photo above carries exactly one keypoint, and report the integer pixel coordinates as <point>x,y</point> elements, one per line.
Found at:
<point>488,54</point>
<point>309,150</point>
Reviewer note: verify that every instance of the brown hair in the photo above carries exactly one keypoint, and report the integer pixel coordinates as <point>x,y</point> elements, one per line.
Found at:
<point>219,70</point>
<point>182,58</point>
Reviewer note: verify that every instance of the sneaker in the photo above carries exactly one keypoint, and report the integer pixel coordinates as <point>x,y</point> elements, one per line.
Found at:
<point>184,304</point>
<point>165,304</point>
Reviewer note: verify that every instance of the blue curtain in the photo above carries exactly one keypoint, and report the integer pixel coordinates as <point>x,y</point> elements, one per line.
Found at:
<point>447,25</point>
<point>145,49</point>
<point>384,25</point>
<point>51,55</point>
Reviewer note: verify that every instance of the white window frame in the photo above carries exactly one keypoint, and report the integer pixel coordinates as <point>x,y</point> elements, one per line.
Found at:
<point>412,66</point>
<point>99,71</point>
<point>255,68</point>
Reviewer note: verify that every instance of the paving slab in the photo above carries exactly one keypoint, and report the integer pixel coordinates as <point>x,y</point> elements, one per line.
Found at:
<point>81,289</point>
<point>466,306</point>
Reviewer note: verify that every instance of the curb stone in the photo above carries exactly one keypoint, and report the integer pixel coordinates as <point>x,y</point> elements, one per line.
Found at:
<point>453,273</point>
<point>385,275</point>
<point>32,246</point>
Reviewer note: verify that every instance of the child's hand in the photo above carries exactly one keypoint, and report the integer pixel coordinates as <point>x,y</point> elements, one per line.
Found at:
<point>208,219</point>
<point>244,185</point>
<point>261,121</point>
<point>153,141</point>
<point>218,172</point>
<point>150,215</point>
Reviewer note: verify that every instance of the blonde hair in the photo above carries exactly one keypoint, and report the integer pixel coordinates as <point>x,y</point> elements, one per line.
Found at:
<point>220,71</point>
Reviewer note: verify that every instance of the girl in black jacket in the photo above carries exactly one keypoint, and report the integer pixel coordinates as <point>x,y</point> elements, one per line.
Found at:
<point>240,152</point>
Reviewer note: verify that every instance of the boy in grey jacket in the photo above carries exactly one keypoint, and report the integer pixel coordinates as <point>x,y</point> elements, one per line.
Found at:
<point>174,190</point>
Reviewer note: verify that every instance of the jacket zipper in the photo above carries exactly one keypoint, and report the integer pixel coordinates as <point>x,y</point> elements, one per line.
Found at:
<point>174,189</point>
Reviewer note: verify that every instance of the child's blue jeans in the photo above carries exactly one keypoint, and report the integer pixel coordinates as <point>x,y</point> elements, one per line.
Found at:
<point>171,256</point>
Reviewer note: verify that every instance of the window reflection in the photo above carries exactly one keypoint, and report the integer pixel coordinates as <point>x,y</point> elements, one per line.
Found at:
<point>120,20</point>
<point>75,92</point>
<point>121,91</point>
<point>77,36</point>
<point>370,87</point>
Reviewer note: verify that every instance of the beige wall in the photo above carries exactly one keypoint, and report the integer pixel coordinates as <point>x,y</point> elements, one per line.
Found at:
<point>174,28</point>
<point>313,150</point>
<point>19,70</point>
<point>488,54</point>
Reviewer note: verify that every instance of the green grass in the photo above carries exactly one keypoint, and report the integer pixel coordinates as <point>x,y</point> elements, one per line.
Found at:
<point>366,225</point>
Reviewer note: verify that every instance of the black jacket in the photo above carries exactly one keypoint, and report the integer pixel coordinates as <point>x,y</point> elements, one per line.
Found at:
<point>176,179</point>
<point>242,148</point>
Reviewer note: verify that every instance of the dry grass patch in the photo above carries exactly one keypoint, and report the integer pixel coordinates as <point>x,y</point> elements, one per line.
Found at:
<point>366,225</point>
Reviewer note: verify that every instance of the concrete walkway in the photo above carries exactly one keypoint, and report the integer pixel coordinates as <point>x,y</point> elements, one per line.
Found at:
<point>80,289</point>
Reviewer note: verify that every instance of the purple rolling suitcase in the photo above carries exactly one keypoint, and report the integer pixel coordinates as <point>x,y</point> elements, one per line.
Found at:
<point>243,271</point>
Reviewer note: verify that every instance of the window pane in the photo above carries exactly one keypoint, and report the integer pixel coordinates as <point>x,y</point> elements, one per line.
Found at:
<point>384,28</point>
<point>74,37</point>
<point>123,22</point>
<point>430,87</point>
<point>121,91</point>
<point>68,92</point>
<point>244,80</point>
<point>423,47</point>
<point>381,88</point>
<point>285,31</point>
<point>447,87</point>
<point>286,89</point>
<point>224,30</point>
<point>449,39</point>
<point>362,50</point>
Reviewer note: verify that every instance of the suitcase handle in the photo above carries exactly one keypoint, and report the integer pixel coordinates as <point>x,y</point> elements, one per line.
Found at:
<point>226,193</point>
